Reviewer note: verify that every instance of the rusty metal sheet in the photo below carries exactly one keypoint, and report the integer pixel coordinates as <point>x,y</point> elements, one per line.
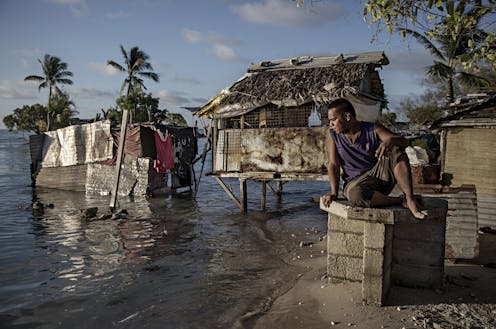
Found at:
<point>300,150</point>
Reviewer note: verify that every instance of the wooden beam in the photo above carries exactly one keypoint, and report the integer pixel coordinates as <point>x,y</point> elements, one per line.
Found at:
<point>272,189</point>
<point>229,192</point>
<point>273,176</point>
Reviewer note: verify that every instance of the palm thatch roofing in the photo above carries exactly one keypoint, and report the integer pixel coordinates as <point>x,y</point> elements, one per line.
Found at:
<point>477,113</point>
<point>296,81</point>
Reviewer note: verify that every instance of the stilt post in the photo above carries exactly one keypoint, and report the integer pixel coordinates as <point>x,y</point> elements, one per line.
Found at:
<point>243,195</point>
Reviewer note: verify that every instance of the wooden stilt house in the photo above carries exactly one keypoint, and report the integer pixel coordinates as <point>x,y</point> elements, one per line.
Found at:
<point>271,124</point>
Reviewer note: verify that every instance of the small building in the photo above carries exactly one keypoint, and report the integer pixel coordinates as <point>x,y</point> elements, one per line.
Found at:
<point>272,125</point>
<point>83,157</point>
<point>468,136</point>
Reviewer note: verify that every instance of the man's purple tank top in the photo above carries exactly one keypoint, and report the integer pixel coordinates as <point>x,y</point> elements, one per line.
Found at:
<point>359,157</point>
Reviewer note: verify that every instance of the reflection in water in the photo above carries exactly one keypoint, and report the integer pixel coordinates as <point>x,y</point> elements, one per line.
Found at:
<point>175,262</point>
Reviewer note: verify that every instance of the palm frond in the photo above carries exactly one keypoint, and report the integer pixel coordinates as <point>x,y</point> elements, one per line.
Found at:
<point>422,39</point>
<point>36,78</point>
<point>150,75</point>
<point>440,70</point>
<point>124,54</point>
<point>42,85</point>
<point>116,66</point>
<point>64,81</point>
<point>472,80</point>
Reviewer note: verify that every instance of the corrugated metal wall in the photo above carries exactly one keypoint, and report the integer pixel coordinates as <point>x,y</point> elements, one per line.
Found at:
<point>471,159</point>
<point>462,240</point>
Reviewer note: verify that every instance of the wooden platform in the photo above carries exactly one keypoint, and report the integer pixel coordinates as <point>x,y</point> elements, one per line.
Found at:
<point>265,179</point>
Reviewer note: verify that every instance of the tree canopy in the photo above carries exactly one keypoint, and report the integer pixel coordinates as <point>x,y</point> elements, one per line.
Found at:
<point>136,65</point>
<point>440,19</point>
<point>55,73</point>
<point>32,117</point>
<point>145,108</point>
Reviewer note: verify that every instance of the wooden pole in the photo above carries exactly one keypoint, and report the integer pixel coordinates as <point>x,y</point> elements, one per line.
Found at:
<point>204,155</point>
<point>264,193</point>
<point>243,195</point>
<point>279,189</point>
<point>120,152</point>
<point>229,192</point>
<point>214,144</point>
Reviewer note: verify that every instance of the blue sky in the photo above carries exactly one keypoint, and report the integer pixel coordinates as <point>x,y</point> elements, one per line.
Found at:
<point>197,47</point>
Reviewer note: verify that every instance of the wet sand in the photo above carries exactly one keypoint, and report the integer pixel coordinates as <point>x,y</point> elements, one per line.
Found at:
<point>467,299</point>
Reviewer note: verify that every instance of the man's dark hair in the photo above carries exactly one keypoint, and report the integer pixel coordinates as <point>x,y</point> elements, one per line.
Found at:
<point>342,106</point>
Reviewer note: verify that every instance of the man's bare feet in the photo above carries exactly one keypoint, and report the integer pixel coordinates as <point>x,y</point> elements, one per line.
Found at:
<point>413,204</point>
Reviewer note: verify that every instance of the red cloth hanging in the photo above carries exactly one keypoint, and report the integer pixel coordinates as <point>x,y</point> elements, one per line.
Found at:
<point>164,160</point>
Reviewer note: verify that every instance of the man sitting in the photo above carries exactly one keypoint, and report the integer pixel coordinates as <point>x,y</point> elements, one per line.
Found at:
<point>372,158</point>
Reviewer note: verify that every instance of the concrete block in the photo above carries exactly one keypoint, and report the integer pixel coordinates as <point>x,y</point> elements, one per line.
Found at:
<point>348,244</point>
<point>340,224</point>
<point>417,259</point>
<point>374,235</point>
<point>374,290</point>
<point>373,262</point>
<point>344,268</point>
<point>377,215</point>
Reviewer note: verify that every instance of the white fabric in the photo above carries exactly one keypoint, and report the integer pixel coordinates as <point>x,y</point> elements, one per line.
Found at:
<point>78,144</point>
<point>417,155</point>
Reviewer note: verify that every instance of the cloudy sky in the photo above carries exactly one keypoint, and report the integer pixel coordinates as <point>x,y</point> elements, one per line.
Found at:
<point>197,47</point>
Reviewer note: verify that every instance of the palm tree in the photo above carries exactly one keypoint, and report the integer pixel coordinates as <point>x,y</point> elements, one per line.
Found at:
<point>55,73</point>
<point>136,65</point>
<point>453,46</point>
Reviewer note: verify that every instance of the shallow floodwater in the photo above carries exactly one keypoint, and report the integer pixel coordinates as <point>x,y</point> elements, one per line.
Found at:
<point>175,262</point>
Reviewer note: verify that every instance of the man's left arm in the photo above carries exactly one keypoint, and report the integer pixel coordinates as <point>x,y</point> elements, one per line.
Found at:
<point>389,140</point>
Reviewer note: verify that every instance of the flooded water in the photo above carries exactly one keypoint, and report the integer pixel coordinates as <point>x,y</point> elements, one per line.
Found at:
<point>175,262</point>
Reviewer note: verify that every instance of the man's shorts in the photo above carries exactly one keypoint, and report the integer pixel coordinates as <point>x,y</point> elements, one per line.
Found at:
<point>379,178</point>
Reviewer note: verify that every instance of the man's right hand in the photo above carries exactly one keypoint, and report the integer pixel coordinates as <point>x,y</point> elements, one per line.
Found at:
<point>328,198</point>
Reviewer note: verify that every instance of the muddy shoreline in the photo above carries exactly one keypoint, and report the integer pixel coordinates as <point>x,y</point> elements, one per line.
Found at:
<point>467,299</point>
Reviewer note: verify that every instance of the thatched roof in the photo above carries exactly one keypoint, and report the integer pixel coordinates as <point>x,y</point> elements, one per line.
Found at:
<point>478,113</point>
<point>297,81</point>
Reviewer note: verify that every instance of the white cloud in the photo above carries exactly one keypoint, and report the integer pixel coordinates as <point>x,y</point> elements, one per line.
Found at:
<point>192,36</point>
<point>187,80</point>
<point>77,7</point>
<point>285,13</point>
<point>219,46</point>
<point>173,97</point>
<point>103,68</point>
<point>200,100</point>
<point>93,93</point>
<point>224,52</point>
<point>9,91</point>
<point>36,52</point>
